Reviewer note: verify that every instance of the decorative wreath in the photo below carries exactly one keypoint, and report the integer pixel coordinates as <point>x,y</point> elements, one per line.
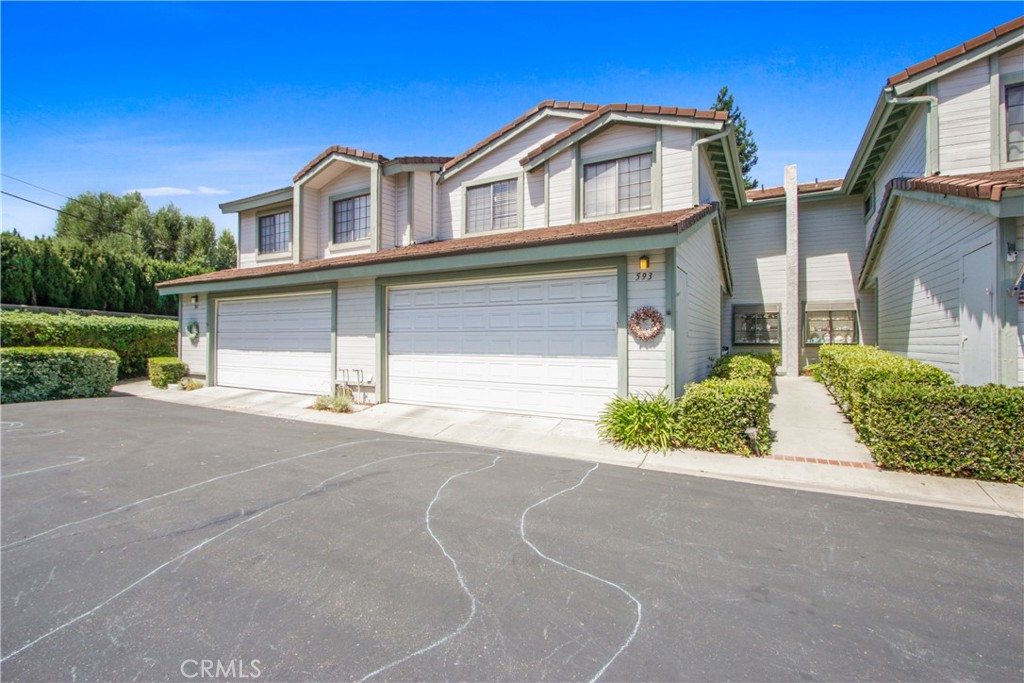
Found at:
<point>646,323</point>
<point>193,331</point>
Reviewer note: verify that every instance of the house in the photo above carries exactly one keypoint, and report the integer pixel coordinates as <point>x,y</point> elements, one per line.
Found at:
<point>583,251</point>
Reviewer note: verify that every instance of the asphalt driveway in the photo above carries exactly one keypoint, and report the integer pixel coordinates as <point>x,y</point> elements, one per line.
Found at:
<point>151,541</point>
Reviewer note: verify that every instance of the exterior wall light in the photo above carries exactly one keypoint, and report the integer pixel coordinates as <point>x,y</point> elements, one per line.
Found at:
<point>645,262</point>
<point>195,299</point>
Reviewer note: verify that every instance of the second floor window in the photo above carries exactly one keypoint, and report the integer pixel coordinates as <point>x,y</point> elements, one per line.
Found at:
<point>275,233</point>
<point>492,207</point>
<point>1015,123</point>
<point>617,186</point>
<point>352,219</point>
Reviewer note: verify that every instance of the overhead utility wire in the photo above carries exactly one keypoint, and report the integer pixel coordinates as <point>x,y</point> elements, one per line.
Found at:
<point>66,213</point>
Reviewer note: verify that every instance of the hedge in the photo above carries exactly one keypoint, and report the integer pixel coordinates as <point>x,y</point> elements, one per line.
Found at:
<point>166,370</point>
<point>957,431</point>
<point>743,366</point>
<point>42,373</point>
<point>133,339</point>
<point>715,414</point>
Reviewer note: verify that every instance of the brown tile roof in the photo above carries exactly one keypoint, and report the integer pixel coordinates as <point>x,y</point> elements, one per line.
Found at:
<point>628,108</point>
<point>802,188</point>
<point>546,104</point>
<point>338,149</point>
<point>633,226</point>
<point>957,51</point>
<point>987,185</point>
<point>419,160</point>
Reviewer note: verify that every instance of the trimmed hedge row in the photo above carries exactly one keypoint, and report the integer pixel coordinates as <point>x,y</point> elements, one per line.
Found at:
<point>713,415</point>
<point>913,416</point>
<point>166,370</point>
<point>134,339</point>
<point>42,373</point>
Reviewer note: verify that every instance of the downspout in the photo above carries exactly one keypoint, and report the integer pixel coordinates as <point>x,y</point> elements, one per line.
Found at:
<point>695,153</point>
<point>931,125</point>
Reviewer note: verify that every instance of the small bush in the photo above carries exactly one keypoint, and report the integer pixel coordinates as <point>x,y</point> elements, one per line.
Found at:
<point>957,431</point>
<point>166,370</point>
<point>715,414</point>
<point>43,373</point>
<point>743,366</point>
<point>133,339</point>
<point>647,422</point>
<point>341,402</point>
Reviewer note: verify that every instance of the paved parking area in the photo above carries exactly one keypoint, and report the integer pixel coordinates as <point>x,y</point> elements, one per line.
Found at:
<point>145,541</point>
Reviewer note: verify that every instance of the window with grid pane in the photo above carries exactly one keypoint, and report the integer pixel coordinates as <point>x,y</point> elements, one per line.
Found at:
<point>617,186</point>
<point>493,206</point>
<point>1015,123</point>
<point>275,232</point>
<point>352,219</point>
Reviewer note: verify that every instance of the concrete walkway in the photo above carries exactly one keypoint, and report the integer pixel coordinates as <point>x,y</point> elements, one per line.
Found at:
<point>578,439</point>
<point>810,427</point>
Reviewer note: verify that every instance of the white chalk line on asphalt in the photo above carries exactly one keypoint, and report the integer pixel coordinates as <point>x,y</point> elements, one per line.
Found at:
<point>75,460</point>
<point>639,607</point>
<point>458,573</point>
<point>204,543</point>
<point>229,475</point>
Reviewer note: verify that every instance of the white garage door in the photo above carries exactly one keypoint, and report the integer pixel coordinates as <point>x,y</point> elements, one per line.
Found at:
<point>540,346</point>
<point>275,344</point>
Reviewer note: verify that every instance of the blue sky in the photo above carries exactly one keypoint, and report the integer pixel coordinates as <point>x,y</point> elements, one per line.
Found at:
<point>200,103</point>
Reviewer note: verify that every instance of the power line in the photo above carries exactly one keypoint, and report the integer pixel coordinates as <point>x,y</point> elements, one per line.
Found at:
<point>67,213</point>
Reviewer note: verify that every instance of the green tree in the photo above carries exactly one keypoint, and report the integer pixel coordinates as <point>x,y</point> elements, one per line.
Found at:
<point>745,144</point>
<point>225,252</point>
<point>104,219</point>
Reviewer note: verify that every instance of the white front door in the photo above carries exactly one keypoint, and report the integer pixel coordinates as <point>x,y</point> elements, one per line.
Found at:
<point>280,343</point>
<point>539,346</point>
<point>977,315</point>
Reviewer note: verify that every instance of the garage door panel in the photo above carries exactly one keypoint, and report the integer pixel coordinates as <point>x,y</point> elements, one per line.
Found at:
<point>275,343</point>
<point>566,373</point>
<point>556,343</point>
<point>584,316</point>
<point>512,398</point>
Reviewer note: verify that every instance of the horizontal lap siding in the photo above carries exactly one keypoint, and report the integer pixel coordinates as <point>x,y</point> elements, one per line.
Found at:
<point>560,189</point>
<point>314,228</point>
<point>247,243</point>
<point>965,120</point>
<point>700,331</point>
<point>676,168</point>
<point>423,205</point>
<point>395,236</point>
<point>756,240</point>
<point>709,191</point>
<point>1020,309</point>
<point>646,360</point>
<point>357,346</point>
<point>906,159</point>
<point>533,200</point>
<point>617,138</point>
<point>192,353</point>
<point>831,250</point>
<point>919,281</point>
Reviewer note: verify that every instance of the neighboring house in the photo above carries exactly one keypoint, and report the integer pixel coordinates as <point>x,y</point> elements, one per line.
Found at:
<point>504,278</point>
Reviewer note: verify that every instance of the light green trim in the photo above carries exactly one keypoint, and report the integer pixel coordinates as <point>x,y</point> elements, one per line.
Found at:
<point>656,171</point>
<point>932,158</point>
<point>380,339</point>
<point>1003,81</point>
<point>520,270</point>
<point>621,154</point>
<point>867,142</point>
<point>296,223</point>
<point>671,315</point>
<point>291,237</point>
<point>340,197</point>
<point>334,337</point>
<point>351,194</point>
<point>335,157</point>
<point>622,327</point>
<point>259,201</point>
<point>582,199</point>
<point>836,193</point>
<point>391,169</point>
<point>211,341</point>
<point>486,259</point>
<point>490,181</point>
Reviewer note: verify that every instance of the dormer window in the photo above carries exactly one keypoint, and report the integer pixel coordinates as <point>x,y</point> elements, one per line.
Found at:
<point>493,206</point>
<point>351,219</point>
<point>617,186</point>
<point>275,233</point>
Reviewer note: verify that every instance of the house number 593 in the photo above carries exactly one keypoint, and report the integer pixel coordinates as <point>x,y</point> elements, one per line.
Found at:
<point>644,275</point>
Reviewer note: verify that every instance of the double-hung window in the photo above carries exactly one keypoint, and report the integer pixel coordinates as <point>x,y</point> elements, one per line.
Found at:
<point>275,232</point>
<point>492,207</point>
<point>617,186</point>
<point>351,219</point>
<point>1015,122</point>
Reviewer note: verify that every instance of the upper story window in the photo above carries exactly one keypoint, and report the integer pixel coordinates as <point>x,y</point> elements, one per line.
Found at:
<point>493,206</point>
<point>617,186</point>
<point>1015,123</point>
<point>275,232</point>
<point>352,219</point>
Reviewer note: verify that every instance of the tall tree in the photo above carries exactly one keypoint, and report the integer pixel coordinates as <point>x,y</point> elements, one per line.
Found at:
<point>225,252</point>
<point>745,144</point>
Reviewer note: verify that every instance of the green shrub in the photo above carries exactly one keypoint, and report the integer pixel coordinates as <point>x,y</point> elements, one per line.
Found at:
<point>43,373</point>
<point>133,339</point>
<point>166,370</point>
<point>715,414</point>
<point>647,422</point>
<point>743,366</point>
<point>957,431</point>
<point>341,402</point>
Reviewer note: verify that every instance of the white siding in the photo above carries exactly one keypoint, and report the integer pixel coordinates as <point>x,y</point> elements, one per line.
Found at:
<point>533,200</point>
<point>647,361</point>
<point>756,241</point>
<point>615,139</point>
<point>560,189</point>
<point>357,347</point>
<point>699,313</point>
<point>1020,305</point>
<point>919,281</point>
<point>831,250</point>
<point>314,226</point>
<point>247,242</point>
<point>391,225</point>
<point>354,179</point>
<point>906,159</point>
<point>965,120</point>
<point>676,168</point>
<point>192,353</point>
<point>423,205</point>
<point>708,184</point>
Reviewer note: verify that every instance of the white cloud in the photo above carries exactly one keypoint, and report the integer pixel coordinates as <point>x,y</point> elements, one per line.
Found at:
<point>177,191</point>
